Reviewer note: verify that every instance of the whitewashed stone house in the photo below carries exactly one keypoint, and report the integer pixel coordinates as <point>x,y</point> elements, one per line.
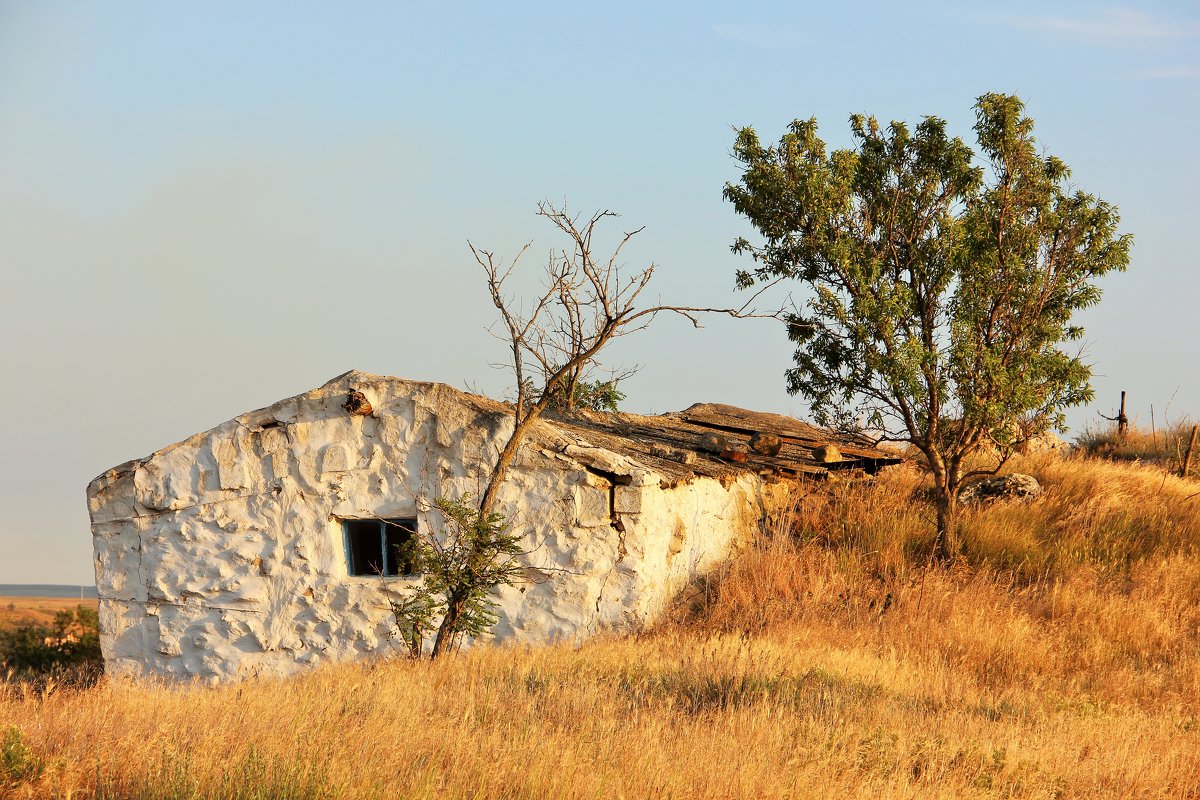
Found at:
<point>263,546</point>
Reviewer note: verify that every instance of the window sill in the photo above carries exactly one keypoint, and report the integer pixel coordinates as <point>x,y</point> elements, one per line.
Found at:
<point>379,579</point>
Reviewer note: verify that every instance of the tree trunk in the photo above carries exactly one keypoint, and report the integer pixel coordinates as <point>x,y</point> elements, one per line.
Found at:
<point>500,472</point>
<point>449,627</point>
<point>947,545</point>
<point>446,631</point>
<point>571,382</point>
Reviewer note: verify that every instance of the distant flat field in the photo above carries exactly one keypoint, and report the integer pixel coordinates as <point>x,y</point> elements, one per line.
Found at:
<point>46,590</point>
<point>22,610</point>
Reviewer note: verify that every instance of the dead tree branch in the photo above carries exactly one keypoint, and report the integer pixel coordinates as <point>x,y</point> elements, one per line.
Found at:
<point>586,302</point>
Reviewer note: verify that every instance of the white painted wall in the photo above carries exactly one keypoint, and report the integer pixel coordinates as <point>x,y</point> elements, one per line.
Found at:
<point>222,556</point>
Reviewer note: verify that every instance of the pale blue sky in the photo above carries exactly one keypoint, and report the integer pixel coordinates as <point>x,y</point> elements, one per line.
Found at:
<point>207,207</point>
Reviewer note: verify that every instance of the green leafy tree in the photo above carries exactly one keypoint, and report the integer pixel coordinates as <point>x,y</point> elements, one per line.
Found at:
<point>461,569</point>
<point>598,395</point>
<point>594,395</point>
<point>942,281</point>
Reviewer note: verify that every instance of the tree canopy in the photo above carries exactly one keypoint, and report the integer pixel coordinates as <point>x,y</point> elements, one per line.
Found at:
<point>943,280</point>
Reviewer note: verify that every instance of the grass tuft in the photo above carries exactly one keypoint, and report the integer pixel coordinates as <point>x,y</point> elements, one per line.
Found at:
<point>18,763</point>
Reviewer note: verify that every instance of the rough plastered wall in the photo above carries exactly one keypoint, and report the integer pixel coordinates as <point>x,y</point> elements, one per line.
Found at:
<point>223,556</point>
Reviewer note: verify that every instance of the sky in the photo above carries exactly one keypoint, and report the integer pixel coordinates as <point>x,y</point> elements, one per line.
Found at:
<point>207,207</point>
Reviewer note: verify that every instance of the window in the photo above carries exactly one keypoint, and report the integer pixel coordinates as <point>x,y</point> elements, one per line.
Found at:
<point>380,546</point>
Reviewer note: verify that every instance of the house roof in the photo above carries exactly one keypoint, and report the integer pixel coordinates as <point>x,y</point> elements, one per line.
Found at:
<point>706,439</point>
<point>715,440</point>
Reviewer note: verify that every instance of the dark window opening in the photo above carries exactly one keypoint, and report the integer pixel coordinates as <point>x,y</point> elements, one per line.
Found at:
<point>380,546</point>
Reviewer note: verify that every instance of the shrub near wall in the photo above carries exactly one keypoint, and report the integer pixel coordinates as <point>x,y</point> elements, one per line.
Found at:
<point>68,649</point>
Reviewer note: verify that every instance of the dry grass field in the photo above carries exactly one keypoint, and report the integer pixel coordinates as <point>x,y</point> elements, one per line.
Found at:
<point>16,611</point>
<point>1061,658</point>
<point>1165,445</point>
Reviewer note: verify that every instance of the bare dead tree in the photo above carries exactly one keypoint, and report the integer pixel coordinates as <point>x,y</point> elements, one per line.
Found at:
<point>585,302</point>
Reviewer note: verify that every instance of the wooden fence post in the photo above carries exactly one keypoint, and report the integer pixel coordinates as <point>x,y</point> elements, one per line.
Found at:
<point>1187,456</point>
<point>1122,420</point>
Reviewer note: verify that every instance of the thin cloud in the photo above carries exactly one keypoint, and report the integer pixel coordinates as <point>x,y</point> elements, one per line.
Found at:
<point>1117,26</point>
<point>766,37</point>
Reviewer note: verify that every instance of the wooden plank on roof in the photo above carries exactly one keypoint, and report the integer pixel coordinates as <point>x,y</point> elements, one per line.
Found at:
<point>637,436</point>
<point>731,418</point>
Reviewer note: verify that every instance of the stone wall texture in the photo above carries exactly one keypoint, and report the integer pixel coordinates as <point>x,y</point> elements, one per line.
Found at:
<point>223,556</point>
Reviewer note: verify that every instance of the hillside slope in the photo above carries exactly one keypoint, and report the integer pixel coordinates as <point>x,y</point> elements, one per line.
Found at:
<point>1060,659</point>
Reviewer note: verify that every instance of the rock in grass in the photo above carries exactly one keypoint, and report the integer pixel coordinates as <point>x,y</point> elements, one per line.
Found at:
<point>1002,487</point>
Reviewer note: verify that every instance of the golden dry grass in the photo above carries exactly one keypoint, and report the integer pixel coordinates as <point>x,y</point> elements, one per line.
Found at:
<point>16,611</point>
<point>1061,659</point>
<point>1165,445</point>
